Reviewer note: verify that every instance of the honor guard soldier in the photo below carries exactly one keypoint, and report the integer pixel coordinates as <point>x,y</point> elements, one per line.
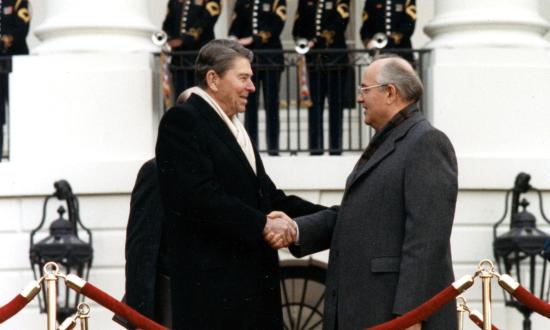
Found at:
<point>257,24</point>
<point>388,23</point>
<point>323,24</point>
<point>14,27</point>
<point>189,25</point>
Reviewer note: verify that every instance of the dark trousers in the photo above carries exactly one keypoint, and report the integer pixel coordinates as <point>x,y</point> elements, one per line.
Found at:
<point>3,101</point>
<point>269,80</point>
<point>1,141</point>
<point>326,81</point>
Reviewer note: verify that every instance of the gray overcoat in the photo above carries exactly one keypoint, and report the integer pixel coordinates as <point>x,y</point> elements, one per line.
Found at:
<point>389,238</point>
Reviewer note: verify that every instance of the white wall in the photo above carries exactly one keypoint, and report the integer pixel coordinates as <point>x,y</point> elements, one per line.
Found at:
<point>104,188</point>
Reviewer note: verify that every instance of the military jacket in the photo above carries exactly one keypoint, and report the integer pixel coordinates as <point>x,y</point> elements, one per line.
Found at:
<point>323,21</point>
<point>263,20</point>
<point>192,21</point>
<point>14,24</point>
<point>395,18</point>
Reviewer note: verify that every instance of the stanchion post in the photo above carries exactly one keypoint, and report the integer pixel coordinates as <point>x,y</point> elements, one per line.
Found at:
<point>460,312</point>
<point>83,315</point>
<point>50,269</point>
<point>486,274</point>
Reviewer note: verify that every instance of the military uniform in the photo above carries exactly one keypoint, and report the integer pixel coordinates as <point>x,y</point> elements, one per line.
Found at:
<point>394,18</point>
<point>192,22</point>
<point>263,20</point>
<point>324,22</point>
<point>14,27</point>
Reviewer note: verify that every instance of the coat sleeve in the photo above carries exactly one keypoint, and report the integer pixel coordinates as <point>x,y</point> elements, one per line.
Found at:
<point>367,30</point>
<point>340,24</point>
<point>298,29</point>
<point>189,187</point>
<point>171,21</point>
<point>22,21</point>
<point>143,235</point>
<point>235,27</point>
<point>408,21</point>
<point>20,27</point>
<point>315,232</point>
<point>430,197</point>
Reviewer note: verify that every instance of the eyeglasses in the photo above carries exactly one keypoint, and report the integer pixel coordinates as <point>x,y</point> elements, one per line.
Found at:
<point>363,90</point>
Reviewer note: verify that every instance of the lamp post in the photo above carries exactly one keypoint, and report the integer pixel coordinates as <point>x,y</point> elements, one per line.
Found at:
<point>519,250</point>
<point>63,246</point>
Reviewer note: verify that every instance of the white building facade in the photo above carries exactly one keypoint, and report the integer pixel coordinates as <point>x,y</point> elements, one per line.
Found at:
<point>83,108</point>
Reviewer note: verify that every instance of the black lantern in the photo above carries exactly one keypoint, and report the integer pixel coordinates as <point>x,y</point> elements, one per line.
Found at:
<point>63,246</point>
<point>518,252</point>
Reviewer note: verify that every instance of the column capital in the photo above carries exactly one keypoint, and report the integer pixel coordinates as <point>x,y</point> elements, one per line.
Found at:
<point>95,26</point>
<point>487,23</point>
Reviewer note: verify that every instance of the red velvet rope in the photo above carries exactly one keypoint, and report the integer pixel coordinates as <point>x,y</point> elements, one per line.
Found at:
<point>12,308</point>
<point>531,301</point>
<point>421,312</point>
<point>128,313</point>
<point>479,322</point>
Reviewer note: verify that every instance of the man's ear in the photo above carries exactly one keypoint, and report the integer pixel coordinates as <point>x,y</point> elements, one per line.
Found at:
<point>392,94</point>
<point>212,80</point>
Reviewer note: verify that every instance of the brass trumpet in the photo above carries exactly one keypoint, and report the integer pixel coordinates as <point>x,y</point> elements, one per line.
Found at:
<point>160,39</point>
<point>302,46</point>
<point>379,40</point>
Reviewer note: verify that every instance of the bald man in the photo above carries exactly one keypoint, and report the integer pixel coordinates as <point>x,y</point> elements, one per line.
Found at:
<point>389,238</point>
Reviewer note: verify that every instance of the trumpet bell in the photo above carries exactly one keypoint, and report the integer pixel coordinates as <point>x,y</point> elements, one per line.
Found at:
<point>379,40</point>
<point>301,46</point>
<point>159,38</point>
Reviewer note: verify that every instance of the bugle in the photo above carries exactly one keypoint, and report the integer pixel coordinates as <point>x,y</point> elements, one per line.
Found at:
<point>302,46</point>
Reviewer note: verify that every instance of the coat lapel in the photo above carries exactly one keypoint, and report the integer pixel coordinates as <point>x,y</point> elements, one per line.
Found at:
<point>385,149</point>
<point>220,129</point>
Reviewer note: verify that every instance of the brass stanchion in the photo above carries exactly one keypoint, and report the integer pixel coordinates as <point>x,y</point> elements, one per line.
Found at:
<point>84,315</point>
<point>460,310</point>
<point>51,270</point>
<point>486,274</point>
<point>69,323</point>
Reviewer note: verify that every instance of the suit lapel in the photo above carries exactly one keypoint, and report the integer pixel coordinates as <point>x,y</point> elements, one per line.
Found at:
<point>385,149</point>
<point>220,129</point>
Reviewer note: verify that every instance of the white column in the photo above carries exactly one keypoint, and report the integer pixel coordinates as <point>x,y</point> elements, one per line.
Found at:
<point>95,25</point>
<point>488,77</point>
<point>487,23</point>
<point>89,86</point>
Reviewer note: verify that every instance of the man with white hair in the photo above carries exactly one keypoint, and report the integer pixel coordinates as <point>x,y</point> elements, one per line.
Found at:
<point>390,237</point>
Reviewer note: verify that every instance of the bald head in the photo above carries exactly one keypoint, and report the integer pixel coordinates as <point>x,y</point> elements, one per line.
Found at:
<point>389,85</point>
<point>391,69</point>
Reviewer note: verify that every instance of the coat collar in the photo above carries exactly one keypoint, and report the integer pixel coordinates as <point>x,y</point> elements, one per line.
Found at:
<point>385,149</point>
<point>221,130</point>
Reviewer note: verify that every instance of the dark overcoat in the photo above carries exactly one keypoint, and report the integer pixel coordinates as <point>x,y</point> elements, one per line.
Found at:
<point>14,22</point>
<point>223,274</point>
<point>146,248</point>
<point>389,238</point>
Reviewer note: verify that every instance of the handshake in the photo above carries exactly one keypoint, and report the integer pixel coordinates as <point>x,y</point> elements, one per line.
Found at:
<point>280,230</point>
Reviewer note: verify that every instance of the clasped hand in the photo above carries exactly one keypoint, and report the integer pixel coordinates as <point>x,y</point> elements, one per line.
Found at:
<point>279,230</point>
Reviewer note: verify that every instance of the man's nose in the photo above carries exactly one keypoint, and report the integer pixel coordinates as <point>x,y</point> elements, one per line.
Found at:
<point>251,88</point>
